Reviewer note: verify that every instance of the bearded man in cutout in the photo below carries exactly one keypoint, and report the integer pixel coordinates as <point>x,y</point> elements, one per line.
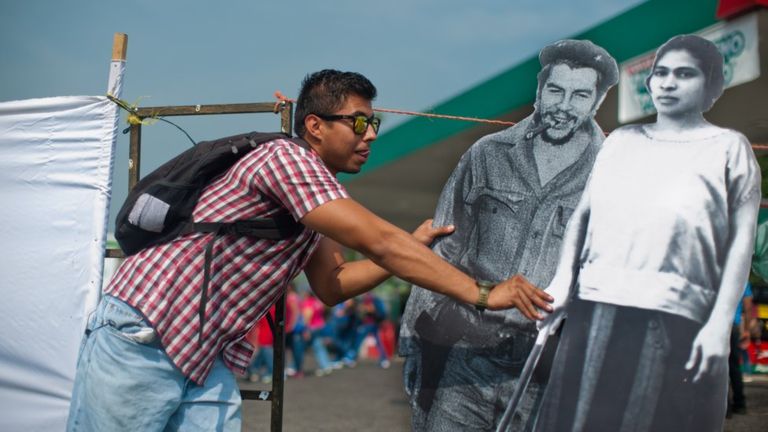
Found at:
<point>509,198</point>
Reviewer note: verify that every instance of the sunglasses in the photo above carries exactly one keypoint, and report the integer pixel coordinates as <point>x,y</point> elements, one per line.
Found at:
<point>360,122</point>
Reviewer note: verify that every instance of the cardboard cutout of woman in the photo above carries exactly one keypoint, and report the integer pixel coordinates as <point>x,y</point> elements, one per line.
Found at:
<point>654,262</point>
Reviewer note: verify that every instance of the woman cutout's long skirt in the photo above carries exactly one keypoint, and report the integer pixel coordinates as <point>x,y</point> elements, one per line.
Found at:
<point>623,369</point>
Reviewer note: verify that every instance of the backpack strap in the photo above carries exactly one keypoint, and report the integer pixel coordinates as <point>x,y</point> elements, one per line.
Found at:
<point>279,227</point>
<point>206,280</point>
<point>273,228</point>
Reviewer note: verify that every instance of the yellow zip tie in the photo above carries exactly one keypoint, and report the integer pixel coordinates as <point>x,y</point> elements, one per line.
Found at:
<point>133,119</point>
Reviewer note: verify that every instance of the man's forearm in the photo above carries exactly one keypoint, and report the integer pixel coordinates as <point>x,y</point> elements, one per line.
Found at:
<point>354,278</point>
<point>396,251</point>
<point>414,262</point>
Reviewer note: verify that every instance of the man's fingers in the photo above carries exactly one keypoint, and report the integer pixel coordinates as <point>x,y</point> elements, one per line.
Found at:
<point>544,295</point>
<point>528,309</point>
<point>542,304</point>
<point>426,233</point>
<point>443,230</point>
<point>541,299</point>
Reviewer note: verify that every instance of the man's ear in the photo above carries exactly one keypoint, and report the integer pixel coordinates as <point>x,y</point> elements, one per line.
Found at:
<point>314,126</point>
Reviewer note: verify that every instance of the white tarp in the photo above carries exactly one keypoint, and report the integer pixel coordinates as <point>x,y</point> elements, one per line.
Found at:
<point>56,157</point>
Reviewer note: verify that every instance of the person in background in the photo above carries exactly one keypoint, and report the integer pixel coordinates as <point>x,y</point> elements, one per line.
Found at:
<point>294,333</point>
<point>743,321</point>
<point>342,327</point>
<point>313,312</point>
<point>371,312</point>
<point>263,339</point>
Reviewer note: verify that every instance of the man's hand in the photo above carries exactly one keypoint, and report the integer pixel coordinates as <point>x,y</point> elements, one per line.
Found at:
<point>518,292</point>
<point>709,351</point>
<point>560,293</point>
<point>426,233</point>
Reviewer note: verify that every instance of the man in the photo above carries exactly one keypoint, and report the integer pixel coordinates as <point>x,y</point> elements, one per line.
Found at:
<point>142,366</point>
<point>509,198</point>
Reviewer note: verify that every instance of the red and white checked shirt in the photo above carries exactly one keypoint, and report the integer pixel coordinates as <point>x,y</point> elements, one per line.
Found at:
<point>247,274</point>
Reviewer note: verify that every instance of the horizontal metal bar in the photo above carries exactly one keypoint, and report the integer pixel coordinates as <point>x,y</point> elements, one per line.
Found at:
<point>191,110</point>
<point>261,395</point>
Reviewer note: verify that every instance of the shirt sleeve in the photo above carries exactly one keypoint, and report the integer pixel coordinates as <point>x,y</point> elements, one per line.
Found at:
<point>742,173</point>
<point>453,208</point>
<point>298,180</point>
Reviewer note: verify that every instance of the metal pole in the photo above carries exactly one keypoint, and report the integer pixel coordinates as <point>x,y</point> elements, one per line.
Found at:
<point>525,377</point>
<point>278,370</point>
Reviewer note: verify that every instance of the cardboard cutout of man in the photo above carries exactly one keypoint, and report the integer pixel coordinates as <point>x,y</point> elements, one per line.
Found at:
<point>510,198</point>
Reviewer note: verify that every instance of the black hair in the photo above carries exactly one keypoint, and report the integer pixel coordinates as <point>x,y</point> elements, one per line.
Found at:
<point>326,91</point>
<point>709,60</point>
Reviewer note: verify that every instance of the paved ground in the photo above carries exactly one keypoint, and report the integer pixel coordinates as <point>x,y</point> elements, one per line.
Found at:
<point>365,398</point>
<point>756,418</point>
<point>368,398</point>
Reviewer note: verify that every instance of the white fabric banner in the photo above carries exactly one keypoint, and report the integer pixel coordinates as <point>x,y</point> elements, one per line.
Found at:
<point>56,158</point>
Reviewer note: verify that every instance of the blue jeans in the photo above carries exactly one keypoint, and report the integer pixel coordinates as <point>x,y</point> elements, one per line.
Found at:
<point>321,353</point>
<point>125,381</point>
<point>264,358</point>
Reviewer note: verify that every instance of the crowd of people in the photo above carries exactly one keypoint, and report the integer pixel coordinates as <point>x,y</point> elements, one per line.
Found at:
<point>334,335</point>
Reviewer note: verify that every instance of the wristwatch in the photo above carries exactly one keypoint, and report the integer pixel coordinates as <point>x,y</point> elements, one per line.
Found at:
<point>482,300</point>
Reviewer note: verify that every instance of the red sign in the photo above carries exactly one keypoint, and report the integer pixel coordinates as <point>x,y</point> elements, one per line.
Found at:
<point>731,8</point>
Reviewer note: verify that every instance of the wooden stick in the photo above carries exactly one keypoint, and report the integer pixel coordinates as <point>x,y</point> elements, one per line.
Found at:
<point>120,47</point>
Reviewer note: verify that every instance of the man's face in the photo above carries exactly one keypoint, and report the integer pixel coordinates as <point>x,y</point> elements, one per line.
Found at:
<point>341,149</point>
<point>567,100</point>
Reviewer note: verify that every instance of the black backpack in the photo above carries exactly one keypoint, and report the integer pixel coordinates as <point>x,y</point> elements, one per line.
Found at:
<point>159,208</point>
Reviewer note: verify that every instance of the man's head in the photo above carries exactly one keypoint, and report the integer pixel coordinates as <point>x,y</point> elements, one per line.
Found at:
<point>334,115</point>
<point>324,92</point>
<point>573,81</point>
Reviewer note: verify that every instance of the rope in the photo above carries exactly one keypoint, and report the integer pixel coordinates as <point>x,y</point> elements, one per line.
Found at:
<point>133,119</point>
<point>282,99</point>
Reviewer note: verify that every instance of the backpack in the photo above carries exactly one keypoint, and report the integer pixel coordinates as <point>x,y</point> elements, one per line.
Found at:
<point>159,208</point>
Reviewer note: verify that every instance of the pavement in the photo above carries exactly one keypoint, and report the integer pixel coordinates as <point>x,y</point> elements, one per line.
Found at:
<point>756,418</point>
<point>364,398</point>
<point>369,398</point>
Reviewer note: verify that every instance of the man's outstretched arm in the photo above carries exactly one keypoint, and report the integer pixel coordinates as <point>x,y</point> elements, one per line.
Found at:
<point>393,250</point>
<point>342,279</point>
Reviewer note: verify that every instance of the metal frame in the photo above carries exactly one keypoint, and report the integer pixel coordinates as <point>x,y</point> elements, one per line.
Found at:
<point>285,109</point>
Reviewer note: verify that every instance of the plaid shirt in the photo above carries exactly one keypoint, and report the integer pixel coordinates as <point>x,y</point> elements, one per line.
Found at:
<point>247,274</point>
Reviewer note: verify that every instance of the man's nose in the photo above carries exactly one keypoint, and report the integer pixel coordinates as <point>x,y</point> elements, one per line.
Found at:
<point>370,133</point>
<point>565,103</point>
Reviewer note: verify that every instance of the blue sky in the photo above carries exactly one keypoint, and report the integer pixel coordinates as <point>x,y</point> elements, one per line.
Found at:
<point>418,53</point>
